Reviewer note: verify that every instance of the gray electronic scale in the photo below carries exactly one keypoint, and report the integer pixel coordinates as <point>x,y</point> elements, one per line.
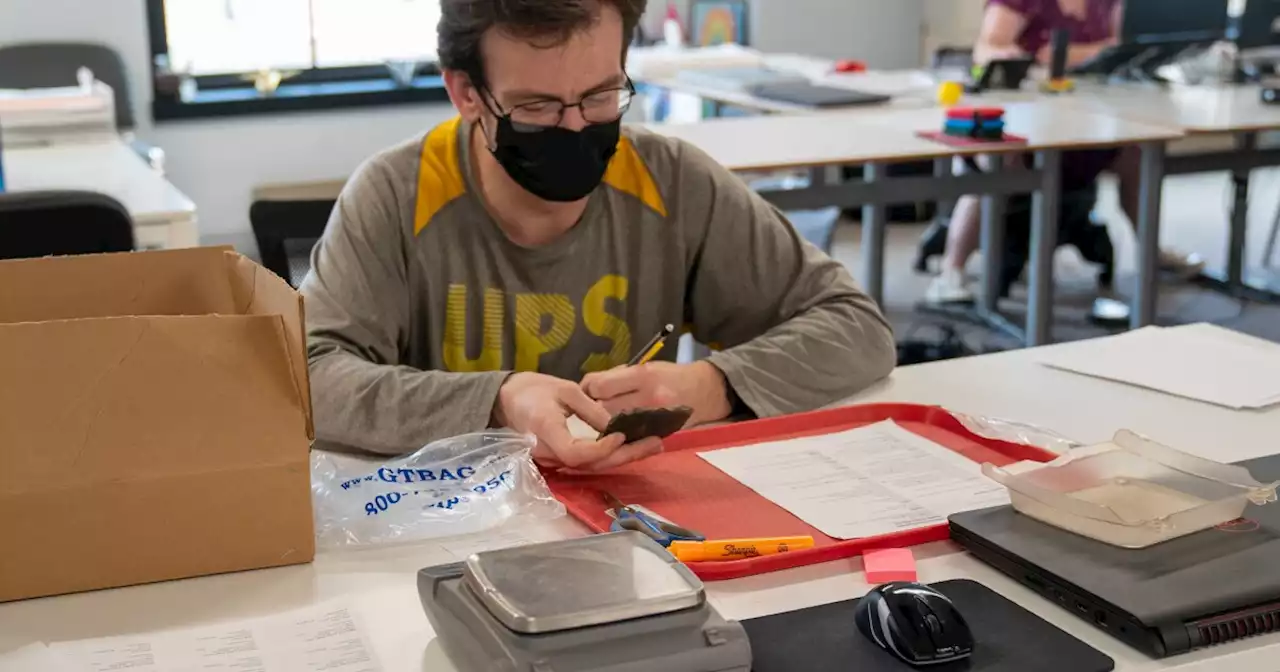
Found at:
<point>605,603</point>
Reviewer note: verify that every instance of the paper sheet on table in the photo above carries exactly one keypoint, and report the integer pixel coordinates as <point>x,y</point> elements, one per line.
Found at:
<point>35,657</point>
<point>1200,361</point>
<point>862,482</point>
<point>328,638</point>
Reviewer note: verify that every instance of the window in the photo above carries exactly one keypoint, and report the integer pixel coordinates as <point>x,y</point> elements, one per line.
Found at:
<point>331,53</point>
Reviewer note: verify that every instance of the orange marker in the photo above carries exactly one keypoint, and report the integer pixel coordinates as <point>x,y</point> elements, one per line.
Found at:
<point>736,549</point>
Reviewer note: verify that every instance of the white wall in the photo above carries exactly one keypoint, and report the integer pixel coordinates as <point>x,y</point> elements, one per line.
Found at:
<point>219,162</point>
<point>951,23</point>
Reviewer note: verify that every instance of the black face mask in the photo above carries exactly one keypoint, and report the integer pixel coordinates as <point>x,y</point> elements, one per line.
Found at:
<point>557,164</point>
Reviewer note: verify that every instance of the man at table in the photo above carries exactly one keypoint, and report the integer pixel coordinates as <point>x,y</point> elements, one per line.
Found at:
<point>1021,28</point>
<point>500,270</point>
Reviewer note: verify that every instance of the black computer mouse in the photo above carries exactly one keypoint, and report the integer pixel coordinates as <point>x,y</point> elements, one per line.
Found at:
<point>915,623</point>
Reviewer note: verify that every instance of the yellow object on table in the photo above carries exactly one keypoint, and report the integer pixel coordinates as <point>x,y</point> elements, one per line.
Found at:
<point>949,93</point>
<point>736,549</point>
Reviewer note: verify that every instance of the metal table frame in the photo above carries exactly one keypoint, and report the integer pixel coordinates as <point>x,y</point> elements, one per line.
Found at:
<point>1044,181</point>
<point>1240,162</point>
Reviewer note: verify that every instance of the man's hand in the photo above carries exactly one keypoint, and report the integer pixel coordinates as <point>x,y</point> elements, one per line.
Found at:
<point>700,386</point>
<point>541,404</point>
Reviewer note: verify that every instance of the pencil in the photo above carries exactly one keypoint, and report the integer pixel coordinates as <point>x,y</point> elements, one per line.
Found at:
<point>653,347</point>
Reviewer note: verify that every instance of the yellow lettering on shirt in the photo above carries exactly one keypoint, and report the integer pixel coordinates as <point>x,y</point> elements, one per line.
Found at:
<point>455,331</point>
<point>532,341</point>
<point>601,322</point>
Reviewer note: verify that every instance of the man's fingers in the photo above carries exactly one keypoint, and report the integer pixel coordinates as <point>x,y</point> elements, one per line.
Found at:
<point>615,382</point>
<point>586,408</point>
<point>629,453</point>
<point>575,452</point>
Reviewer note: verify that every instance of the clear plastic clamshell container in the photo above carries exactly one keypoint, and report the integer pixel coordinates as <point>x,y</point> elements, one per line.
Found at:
<point>1131,492</point>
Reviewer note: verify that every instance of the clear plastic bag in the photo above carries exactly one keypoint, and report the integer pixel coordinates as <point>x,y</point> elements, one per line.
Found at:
<point>1017,432</point>
<point>460,485</point>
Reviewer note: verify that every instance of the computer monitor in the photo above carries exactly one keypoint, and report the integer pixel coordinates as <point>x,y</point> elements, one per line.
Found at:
<point>1258,26</point>
<point>1174,21</point>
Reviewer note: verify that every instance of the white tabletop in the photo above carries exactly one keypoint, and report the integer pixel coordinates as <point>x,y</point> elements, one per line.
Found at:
<point>109,167</point>
<point>765,143</point>
<point>380,583</point>
<point>1211,108</point>
<point>1195,109</point>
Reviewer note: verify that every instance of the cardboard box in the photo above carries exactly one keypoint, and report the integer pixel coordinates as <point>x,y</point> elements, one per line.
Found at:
<point>155,420</point>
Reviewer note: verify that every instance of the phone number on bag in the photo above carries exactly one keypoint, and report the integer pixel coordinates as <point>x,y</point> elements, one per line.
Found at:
<point>383,502</point>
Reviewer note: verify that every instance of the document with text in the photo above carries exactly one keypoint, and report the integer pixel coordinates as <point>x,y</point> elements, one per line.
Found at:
<point>327,638</point>
<point>863,482</point>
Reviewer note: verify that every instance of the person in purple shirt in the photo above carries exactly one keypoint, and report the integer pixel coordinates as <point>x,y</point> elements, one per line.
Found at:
<point>1021,28</point>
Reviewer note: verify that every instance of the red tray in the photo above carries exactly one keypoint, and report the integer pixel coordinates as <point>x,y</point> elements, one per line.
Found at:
<point>685,489</point>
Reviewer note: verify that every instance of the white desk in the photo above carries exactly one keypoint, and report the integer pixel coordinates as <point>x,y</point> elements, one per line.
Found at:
<point>380,583</point>
<point>163,216</point>
<point>877,136</point>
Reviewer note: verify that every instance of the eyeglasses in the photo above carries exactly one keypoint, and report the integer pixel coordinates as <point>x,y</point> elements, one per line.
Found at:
<point>600,107</point>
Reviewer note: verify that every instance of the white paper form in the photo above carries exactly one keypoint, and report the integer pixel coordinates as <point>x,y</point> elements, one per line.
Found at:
<point>1200,362</point>
<point>35,657</point>
<point>319,639</point>
<point>863,482</point>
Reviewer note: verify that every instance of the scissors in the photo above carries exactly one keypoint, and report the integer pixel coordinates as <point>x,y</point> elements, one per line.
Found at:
<point>629,518</point>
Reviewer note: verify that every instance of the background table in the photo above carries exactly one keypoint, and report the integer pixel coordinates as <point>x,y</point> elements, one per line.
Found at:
<point>380,583</point>
<point>874,138</point>
<point>163,216</point>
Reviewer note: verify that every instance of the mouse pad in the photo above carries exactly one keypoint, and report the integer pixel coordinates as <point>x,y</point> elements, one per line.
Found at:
<point>1007,638</point>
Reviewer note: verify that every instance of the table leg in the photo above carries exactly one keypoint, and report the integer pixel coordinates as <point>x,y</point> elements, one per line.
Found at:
<point>1245,142</point>
<point>1044,238</point>
<point>873,240</point>
<point>993,228</point>
<point>1150,189</point>
<point>1235,280</point>
<point>942,170</point>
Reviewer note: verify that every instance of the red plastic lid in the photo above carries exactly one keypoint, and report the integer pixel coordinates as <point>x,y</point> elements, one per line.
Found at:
<point>971,112</point>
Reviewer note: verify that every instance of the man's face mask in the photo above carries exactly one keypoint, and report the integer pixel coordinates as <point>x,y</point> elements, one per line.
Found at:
<point>552,162</point>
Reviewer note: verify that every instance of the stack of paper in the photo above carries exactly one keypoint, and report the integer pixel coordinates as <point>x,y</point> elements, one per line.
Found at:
<point>864,482</point>
<point>328,637</point>
<point>1199,361</point>
<point>65,114</point>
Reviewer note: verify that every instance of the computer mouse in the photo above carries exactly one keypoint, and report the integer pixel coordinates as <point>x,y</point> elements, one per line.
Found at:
<point>915,623</point>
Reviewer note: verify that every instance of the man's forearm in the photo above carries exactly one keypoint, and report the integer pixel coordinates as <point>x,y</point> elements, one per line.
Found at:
<point>395,409</point>
<point>817,358</point>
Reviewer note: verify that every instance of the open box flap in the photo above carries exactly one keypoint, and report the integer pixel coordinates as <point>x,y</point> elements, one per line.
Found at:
<point>169,282</point>
<point>260,292</point>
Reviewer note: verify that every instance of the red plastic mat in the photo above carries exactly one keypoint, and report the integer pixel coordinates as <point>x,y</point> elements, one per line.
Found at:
<point>1009,140</point>
<point>685,489</point>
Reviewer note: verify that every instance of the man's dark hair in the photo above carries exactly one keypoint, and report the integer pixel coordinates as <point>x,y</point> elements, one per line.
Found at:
<point>545,23</point>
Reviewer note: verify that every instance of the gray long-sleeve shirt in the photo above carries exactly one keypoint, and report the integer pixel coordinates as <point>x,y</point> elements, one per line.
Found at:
<point>418,307</point>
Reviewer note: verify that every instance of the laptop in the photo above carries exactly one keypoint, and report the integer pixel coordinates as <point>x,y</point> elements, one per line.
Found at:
<point>814,95</point>
<point>1207,588</point>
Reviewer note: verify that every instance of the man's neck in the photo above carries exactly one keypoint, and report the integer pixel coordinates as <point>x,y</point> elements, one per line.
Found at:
<point>526,219</point>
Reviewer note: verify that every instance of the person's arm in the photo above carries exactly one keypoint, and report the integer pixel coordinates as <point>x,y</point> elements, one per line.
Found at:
<point>1002,22</point>
<point>359,308</point>
<point>794,331</point>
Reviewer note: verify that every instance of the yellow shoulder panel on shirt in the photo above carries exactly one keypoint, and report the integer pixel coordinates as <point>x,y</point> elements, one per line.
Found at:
<point>439,173</point>
<point>628,174</point>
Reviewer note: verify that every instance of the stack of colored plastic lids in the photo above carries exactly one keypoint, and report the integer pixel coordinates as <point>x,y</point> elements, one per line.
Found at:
<point>982,123</point>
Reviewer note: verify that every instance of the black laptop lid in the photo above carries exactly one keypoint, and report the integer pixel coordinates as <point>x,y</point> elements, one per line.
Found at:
<point>1209,572</point>
<point>814,95</point>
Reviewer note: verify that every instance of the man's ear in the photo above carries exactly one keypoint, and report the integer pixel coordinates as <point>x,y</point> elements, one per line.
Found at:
<point>464,94</point>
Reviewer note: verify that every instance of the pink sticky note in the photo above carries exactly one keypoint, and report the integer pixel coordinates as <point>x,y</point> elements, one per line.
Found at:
<point>888,565</point>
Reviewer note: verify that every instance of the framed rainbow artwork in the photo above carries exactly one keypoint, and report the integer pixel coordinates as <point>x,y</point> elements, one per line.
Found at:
<point>715,22</point>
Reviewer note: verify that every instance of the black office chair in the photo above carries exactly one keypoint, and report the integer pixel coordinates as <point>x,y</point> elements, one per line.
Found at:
<point>286,232</point>
<point>45,223</point>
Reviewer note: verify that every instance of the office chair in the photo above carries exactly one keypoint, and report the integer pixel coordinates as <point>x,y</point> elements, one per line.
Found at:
<point>45,223</point>
<point>286,232</point>
<point>1269,253</point>
<point>49,64</point>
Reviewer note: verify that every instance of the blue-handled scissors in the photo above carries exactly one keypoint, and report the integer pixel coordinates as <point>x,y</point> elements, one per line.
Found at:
<point>629,518</point>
